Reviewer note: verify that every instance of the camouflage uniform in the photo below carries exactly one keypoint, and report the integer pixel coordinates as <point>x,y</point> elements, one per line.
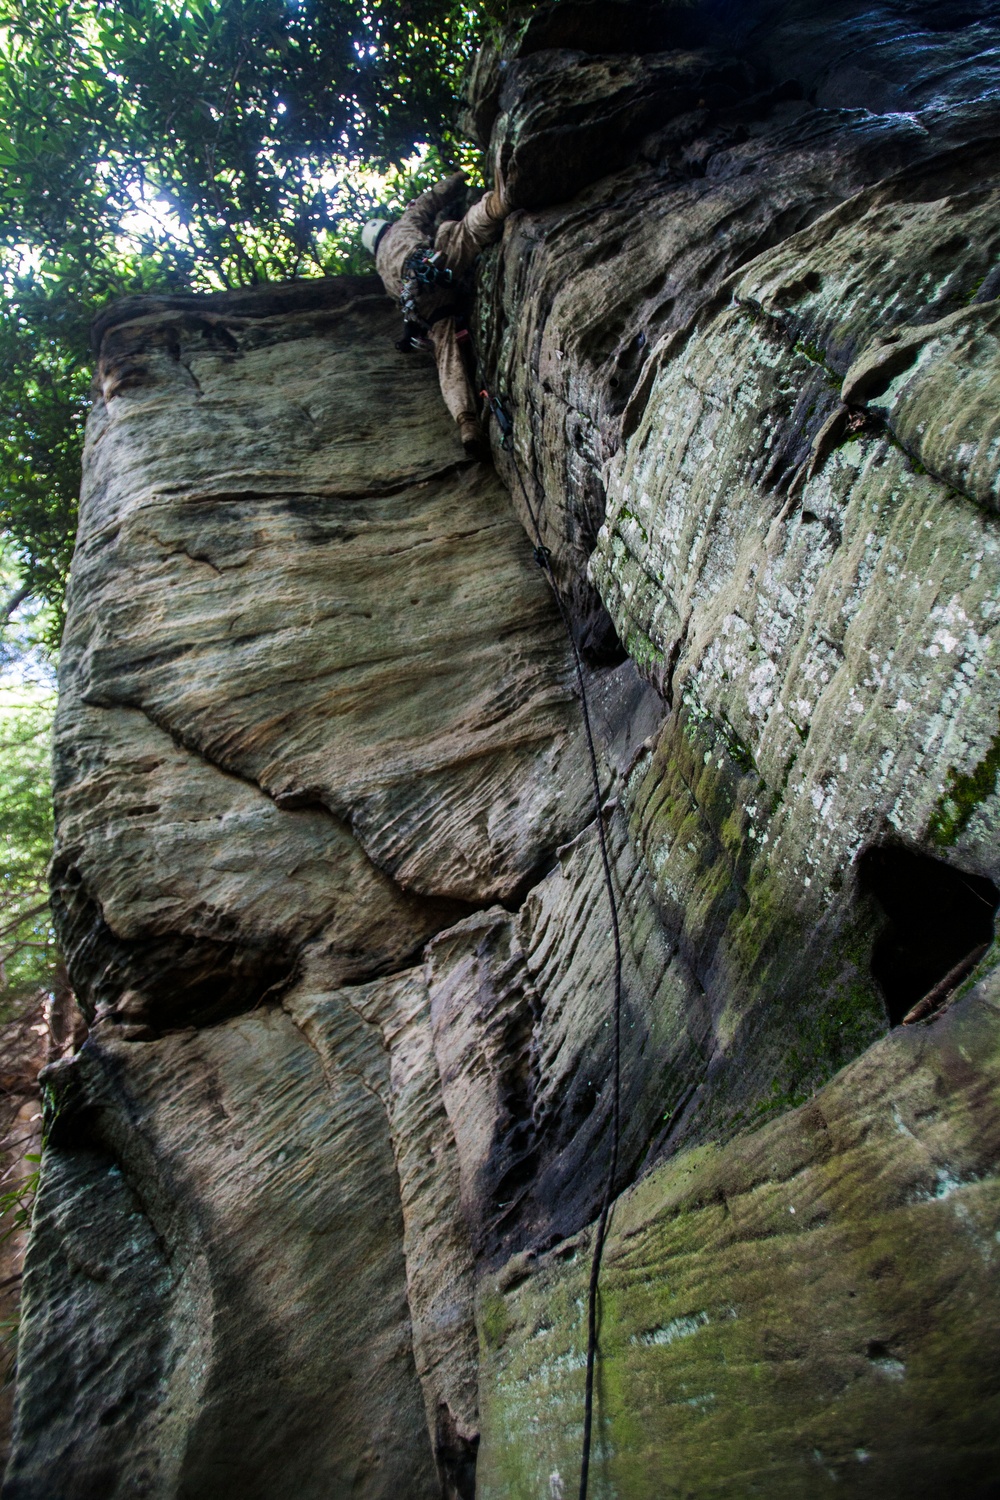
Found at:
<point>459,241</point>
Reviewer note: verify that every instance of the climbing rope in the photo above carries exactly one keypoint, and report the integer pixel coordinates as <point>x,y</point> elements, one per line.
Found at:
<point>543,558</point>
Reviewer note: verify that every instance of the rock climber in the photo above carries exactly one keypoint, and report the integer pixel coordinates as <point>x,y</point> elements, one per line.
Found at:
<point>420,268</point>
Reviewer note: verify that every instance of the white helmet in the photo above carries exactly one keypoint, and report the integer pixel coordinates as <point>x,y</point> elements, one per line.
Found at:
<point>372,233</point>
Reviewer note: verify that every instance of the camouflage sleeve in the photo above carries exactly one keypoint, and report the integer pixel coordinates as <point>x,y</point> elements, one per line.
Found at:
<point>422,212</point>
<point>413,229</point>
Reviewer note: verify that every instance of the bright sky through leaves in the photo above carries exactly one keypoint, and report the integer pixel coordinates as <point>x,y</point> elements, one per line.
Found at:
<point>187,144</point>
<point>167,145</point>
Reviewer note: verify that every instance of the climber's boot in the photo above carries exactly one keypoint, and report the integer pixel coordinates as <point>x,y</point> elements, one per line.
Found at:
<point>472,435</point>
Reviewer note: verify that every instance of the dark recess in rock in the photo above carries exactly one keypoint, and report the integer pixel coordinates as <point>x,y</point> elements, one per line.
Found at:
<point>936,915</point>
<point>157,982</point>
<point>598,641</point>
<point>568,118</point>
<point>592,26</point>
<point>456,1457</point>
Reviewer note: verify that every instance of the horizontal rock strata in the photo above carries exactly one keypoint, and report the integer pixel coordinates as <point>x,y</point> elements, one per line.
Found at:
<point>752,381</point>
<point>215,1206</point>
<point>313,710</point>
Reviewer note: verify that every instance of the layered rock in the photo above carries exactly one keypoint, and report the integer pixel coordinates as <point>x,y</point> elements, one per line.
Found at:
<point>733,373</point>
<point>317,1187</point>
<point>277,775</point>
<point>785,1314</point>
<point>47,1027</point>
<point>753,381</point>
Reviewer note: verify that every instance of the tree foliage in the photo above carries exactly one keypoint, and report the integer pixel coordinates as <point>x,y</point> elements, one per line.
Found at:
<point>27,944</point>
<point>157,144</point>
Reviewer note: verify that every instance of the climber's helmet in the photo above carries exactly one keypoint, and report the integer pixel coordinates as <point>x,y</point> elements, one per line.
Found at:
<point>373,232</point>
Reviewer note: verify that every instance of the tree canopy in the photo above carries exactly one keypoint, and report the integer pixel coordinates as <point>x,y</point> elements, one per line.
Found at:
<point>187,144</point>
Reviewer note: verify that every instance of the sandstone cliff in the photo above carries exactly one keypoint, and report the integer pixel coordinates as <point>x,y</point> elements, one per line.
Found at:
<point>316,1201</point>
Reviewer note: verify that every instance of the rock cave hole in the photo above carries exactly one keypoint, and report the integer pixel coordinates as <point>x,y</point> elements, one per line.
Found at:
<point>937,916</point>
<point>948,19</point>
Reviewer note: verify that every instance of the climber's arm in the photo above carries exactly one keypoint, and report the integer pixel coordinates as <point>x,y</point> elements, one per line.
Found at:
<point>461,240</point>
<point>421,213</point>
<point>413,230</point>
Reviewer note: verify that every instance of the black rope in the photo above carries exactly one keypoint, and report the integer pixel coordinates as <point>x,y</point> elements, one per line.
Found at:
<point>543,558</point>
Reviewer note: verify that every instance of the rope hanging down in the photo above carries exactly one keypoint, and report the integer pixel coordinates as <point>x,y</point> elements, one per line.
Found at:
<point>543,557</point>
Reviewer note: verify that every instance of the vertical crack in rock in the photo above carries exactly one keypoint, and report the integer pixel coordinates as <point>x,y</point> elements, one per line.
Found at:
<point>439,1270</point>
<point>520,1006</point>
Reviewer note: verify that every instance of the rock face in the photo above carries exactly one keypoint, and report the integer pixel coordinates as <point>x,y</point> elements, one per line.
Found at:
<point>316,1194</point>
<point>278,775</point>
<point>782,1314</point>
<point>48,1027</point>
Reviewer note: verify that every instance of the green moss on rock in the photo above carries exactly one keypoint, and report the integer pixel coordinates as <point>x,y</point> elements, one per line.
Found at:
<point>964,794</point>
<point>788,1313</point>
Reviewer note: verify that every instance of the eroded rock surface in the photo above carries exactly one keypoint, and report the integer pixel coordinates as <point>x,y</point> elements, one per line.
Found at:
<point>277,775</point>
<point>316,1197</point>
<point>361,629</point>
<point>734,372</point>
<point>217,1205</point>
<point>48,1026</point>
<point>780,1316</point>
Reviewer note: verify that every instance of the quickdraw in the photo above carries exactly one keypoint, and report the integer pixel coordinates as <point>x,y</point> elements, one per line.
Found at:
<point>502,419</point>
<point>423,271</point>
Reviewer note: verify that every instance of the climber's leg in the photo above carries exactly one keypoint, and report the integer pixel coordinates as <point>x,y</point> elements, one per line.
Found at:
<point>456,389</point>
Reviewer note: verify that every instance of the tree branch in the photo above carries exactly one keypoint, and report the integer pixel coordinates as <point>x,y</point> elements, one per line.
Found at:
<point>13,601</point>
<point>24,916</point>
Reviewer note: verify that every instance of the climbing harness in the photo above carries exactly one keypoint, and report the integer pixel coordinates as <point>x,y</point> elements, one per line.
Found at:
<point>543,557</point>
<point>424,271</point>
<point>424,268</point>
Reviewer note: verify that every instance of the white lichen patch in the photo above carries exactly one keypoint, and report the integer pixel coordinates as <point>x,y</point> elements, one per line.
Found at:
<point>677,1328</point>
